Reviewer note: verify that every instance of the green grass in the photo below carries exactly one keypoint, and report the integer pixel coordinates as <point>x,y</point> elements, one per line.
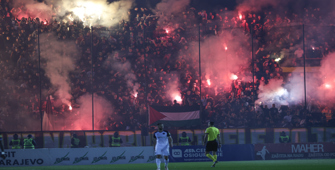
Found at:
<point>311,164</point>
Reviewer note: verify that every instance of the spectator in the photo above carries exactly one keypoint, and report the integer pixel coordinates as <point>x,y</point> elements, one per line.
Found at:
<point>29,143</point>
<point>75,141</point>
<point>287,120</point>
<point>115,140</point>
<point>284,138</point>
<point>184,140</point>
<point>273,112</point>
<point>15,143</point>
<point>175,103</point>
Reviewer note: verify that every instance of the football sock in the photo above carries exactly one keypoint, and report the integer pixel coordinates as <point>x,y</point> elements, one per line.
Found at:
<point>215,157</point>
<point>158,163</point>
<point>166,162</point>
<point>210,157</point>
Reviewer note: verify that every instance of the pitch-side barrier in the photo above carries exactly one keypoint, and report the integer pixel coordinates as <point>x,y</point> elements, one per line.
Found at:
<point>130,155</point>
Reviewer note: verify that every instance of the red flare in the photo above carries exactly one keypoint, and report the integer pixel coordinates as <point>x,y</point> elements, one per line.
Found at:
<point>178,99</point>
<point>328,86</point>
<point>209,82</point>
<point>234,77</point>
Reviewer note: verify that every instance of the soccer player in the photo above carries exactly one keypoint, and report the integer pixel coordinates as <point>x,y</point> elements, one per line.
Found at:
<point>3,154</point>
<point>162,142</point>
<point>212,141</point>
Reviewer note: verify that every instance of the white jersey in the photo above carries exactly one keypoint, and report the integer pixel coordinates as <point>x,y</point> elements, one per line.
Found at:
<point>162,138</point>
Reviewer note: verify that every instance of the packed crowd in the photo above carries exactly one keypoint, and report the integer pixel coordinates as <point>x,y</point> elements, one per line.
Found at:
<point>153,52</point>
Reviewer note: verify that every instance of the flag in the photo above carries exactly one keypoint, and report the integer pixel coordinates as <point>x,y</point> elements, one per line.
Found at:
<point>47,116</point>
<point>46,122</point>
<point>48,107</point>
<point>175,116</point>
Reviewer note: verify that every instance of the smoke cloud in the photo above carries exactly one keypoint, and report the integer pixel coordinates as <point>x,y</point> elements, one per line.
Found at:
<point>59,58</point>
<point>102,109</point>
<point>31,8</point>
<point>224,55</point>
<point>166,8</point>
<point>295,85</point>
<point>327,70</point>
<point>292,92</point>
<point>273,93</point>
<point>96,12</point>
<point>130,79</point>
<point>172,91</point>
<point>125,70</point>
<point>319,86</point>
<point>91,12</point>
<point>256,5</point>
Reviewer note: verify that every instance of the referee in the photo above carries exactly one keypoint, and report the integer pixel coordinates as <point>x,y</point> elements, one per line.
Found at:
<point>211,139</point>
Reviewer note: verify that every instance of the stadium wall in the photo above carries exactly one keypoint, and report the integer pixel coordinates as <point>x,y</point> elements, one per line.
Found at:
<point>62,139</point>
<point>77,156</point>
<point>119,155</point>
<point>126,155</point>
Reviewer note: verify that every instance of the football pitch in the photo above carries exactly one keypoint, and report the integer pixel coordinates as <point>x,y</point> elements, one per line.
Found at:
<point>314,164</point>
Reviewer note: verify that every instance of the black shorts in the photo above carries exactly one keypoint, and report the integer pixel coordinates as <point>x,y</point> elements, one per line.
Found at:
<point>212,146</point>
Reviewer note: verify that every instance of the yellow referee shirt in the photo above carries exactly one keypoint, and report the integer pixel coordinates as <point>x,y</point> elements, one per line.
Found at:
<point>212,132</point>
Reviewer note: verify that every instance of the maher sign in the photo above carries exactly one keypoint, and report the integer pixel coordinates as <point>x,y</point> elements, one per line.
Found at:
<point>298,148</point>
<point>294,151</point>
